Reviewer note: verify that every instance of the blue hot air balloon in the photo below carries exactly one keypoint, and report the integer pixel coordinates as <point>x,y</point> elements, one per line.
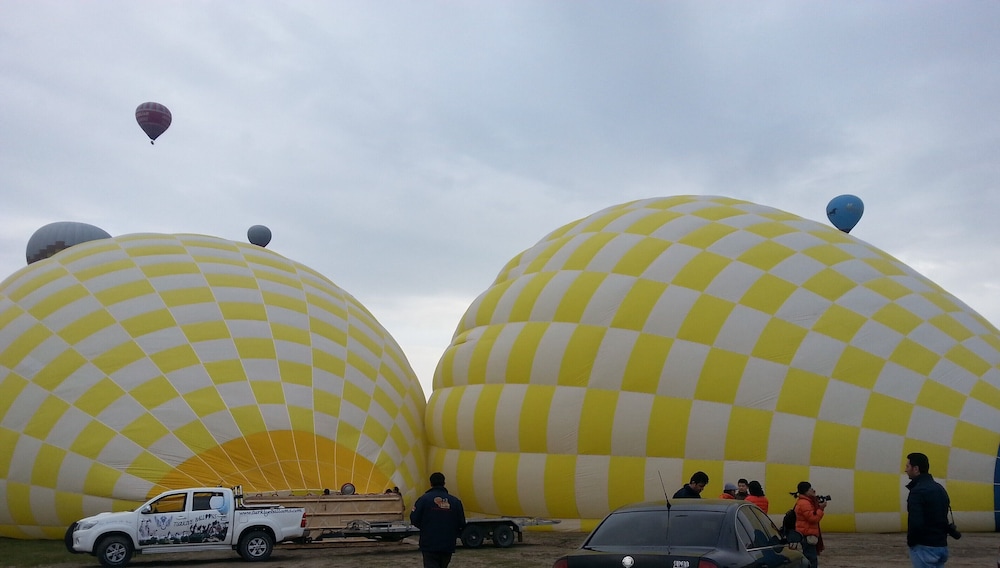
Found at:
<point>844,211</point>
<point>259,235</point>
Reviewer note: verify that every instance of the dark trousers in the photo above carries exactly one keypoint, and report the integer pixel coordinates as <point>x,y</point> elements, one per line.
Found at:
<point>436,559</point>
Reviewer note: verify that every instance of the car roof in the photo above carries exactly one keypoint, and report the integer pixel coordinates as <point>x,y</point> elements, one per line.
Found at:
<point>718,505</point>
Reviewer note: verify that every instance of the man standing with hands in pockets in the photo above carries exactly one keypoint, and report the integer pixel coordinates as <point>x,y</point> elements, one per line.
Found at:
<point>440,518</point>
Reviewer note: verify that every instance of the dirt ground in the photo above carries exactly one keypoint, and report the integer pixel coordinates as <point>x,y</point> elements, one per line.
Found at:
<point>541,549</point>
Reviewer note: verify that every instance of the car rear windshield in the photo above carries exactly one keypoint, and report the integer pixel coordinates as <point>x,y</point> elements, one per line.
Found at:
<point>659,528</point>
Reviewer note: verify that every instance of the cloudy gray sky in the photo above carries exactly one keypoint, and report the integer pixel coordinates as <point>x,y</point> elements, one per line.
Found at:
<point>407,150</point>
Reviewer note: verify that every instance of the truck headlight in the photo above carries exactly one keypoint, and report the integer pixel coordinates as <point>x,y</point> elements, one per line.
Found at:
<point>86,525</point>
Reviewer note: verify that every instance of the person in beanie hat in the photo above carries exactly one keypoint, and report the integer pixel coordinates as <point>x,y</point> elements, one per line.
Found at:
<point>440,517</point>
<point>808,513</point>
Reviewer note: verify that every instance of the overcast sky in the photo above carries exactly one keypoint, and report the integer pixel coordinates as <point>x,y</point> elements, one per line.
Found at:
<point>407,150</point>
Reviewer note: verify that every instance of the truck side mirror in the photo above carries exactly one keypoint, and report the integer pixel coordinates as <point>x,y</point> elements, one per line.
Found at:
<point>146,509</point>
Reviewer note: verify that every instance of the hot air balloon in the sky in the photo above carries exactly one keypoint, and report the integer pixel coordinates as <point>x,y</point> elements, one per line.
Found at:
<point>153,118</point>
<point>259,235</point>
<point>844,211</point>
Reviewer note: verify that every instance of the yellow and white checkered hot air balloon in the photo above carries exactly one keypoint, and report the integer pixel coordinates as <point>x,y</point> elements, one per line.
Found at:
<point>665,336</point>
<point>134,364</point>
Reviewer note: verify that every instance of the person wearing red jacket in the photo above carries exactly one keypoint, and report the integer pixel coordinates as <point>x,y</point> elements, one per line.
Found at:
<point>808,513</point>
<point>756,495</point>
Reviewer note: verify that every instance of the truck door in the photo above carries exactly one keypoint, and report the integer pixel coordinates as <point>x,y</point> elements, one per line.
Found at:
<point>210,516</point>
<point>165,522</point>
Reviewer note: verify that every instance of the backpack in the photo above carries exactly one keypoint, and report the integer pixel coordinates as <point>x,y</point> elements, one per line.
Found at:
<point>788,522</point>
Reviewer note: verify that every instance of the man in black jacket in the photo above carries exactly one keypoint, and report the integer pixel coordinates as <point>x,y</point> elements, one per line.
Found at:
<point>927,515</point>
<point>694,488</point>
<point>440,518</point>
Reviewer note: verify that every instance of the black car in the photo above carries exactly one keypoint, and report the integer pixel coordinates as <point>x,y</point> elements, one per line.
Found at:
<point>685,533</point>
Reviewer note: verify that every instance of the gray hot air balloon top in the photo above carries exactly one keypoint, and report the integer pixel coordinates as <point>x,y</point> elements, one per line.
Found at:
<point>259,235</point>
<point>55,237</point>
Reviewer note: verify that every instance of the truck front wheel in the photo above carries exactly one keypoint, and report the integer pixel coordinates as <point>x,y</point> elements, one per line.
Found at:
<point>114,551</point>
<point>256,545</point>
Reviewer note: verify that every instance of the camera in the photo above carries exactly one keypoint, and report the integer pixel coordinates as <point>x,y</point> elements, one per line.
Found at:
<point>953,531</point>
<point>823,498</point>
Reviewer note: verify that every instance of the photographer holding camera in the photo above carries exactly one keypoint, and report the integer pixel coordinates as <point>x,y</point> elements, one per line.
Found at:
<point>809,510</point>
<point>927,509</point>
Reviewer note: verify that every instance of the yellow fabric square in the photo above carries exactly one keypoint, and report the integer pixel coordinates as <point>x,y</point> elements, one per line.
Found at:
<point>524,303</point>
<point>250,421</point>
<point>651,222</point>
<point>938,397</point>
<point>354,359</point>
<point>375,430</point>
<point>914,356</point>
<point>668,421</point>
<point>286,278</point>
<point>767,294</point>
<point>293,334</point>
<point>36,282</point>
<point>875,492</point>
<point>523,351</point>
<point>578,359</point>
<point>61,366</point>
<point>986,393</point>
<point>243,311</point>
<point>187,297</point>
<point>720,376</point>
<point>99,396</point>
<point>326,403</point>
<point>839,323</point>
<point>637,259</point>
<point>100,480</point>
<point>273,299</point>
<point>858,367</point>
<point>45,470</point>
<point>255,347</point>
<point>176,358</point>
<point>560,486</point>
<point>270,261</point>
<point>705,320</point>
<point>92,440</point>
<point>746,434</point>
<point>505,486</point>
<point>205,401</point>
<point>969,495</point>
<point>196,436</point>
<point>802,393</point>
<point>887,414</point>
<point>829,284</point>
<point>354,395</point>
<point>56,300</point>
<point>779,341</point>
<point>90,272</point>
<point>484,419</point>
<point>169,269</point>
<point>594,436</point>
<point>626,481</point>
<point>118,357</point>
<point>145,430</point>
<point>941,301</point>
<point>974,439</point>
<point>244,281</point>
<point>302,420</point>
<point>328,331</point>
<point>481,354</point>
<point>8,439</point>
<point>533,423</point>
<point>126,291</point>
<point>888,288</point>
<point>586,249</point>
<point>829,255</point>
<point>86,326</point>
<point>634,309</point>
<point>577,296</point>
<point>449,402</point>
<point>19,503</point>
<point>229,371</point>
<point>834,445</point>
<point>699,272</point>
<point>706,235</point>
<point>45,418</point>
<point>295,373</point>
<point>358,335</point>
<point>205,331</point>
<point>781,480</point>
<point>268,392</point>
<point>538,264</point>
<point>323,302</point>
<point>24,344</point>
<point>897,318</point>
<point>770,229</point>
<point>149,322</point>
<point>968,360</point>
<point>645,363</point>
<point>154,392</point>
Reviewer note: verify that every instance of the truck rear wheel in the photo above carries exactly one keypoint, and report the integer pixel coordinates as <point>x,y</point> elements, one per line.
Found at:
<point>473,535</point>
<point>114,551</point>
<point>503,536</point>
<point>256,545</point>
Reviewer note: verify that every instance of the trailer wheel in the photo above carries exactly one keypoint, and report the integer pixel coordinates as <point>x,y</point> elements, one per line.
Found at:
<point>503,536</point>
<point>473,536</point>
<point>255,546</point>
<point>114,551</point>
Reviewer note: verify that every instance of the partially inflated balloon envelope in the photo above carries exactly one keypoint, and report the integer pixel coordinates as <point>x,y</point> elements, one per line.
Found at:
<point>153,118</point>
<point>844,211</point>
<point>58,236</point>
<point>661,337</point>
<point>145,362</point>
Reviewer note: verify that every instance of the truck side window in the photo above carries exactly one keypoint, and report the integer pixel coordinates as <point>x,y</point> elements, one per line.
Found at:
<point>202,501</point>
<point>170,504</point>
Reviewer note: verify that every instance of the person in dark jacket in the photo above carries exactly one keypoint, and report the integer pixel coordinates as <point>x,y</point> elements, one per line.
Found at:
<point>694,488</point>
<point>927,508</point>
<point>440,518</point>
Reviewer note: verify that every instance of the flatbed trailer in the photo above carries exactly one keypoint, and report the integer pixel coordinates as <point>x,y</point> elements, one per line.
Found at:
<point>381,517</point>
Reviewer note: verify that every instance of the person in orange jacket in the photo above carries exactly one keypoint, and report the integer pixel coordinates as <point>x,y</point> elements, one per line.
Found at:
<point>756,495</point>
<point>728,492</point>
<point>808,513</point>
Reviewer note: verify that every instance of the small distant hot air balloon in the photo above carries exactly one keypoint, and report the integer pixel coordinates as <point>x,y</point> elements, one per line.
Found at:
<point>153,118</point>
<point>844,211</point>
<point>55,237</point>
<point>259,235</point>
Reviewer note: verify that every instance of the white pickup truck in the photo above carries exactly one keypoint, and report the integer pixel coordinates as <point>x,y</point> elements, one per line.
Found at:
<point>187,520</point>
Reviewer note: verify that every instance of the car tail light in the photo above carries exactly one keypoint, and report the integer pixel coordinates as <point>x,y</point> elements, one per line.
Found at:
<point>303,522</point>
<point>702,563</point>
<point>561,563</point>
